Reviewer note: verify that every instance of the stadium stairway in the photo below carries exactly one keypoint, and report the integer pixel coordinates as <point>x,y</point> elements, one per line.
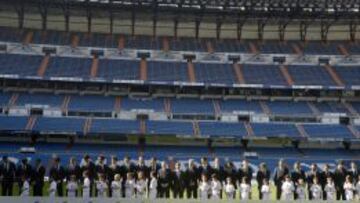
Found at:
<point>117,105</point>
<point>74,41</point>
<point>313,108</point>
<point>196,129</point>
<point>353,131</point>
<point>334,75</point>
<point>297,49</point>
<point>265,108</point>
<point>65,104</point>
<point>13,99</point>
<point>216,105</point>
<point>343,50</point>
<point>301,129</point>
<point>167,106</point>
<point>43,66</point>
<point>350,108</point>
<point>87,126</point>
<point>209,47</point>
<point>249,130</point>
<point>94,66</point>
<point>253,48</point>
<point>286,75</point>
<point>238,73</point>
<point>191,71</point>
<point>165,44</point>
<point>121,42</point>
<point>143,69</point>
<point>28,37</point>
<point>31,122</point>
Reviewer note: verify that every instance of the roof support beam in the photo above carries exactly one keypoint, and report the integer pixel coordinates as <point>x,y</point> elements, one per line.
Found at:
<point>20,10</point>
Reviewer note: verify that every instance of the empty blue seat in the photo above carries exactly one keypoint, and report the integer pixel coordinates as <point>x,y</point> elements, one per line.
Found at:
<point>69,67</point>
<point>4,98</point>
<point>327,131</point>
<point>275,130</point>
<point>167,71</point>
<point>114,126</point>
<point>17,64</point>
<point>220,129</point>
<point>214,73</point>
<point>350,75</point>
<point>310,75</point>
<point>169,128</point>
<point>318,47</point>
<point>59,125</point>
<point>192,106</point>
<point>275,47</point>
<point>240,105</point>
<point>118,69</point>
<point>13,123</point>
<point>289,108</point>
<point>263,74</point>
<point>90,103</point>
<point>40,99</point>
<point>331,107</point>
<point>129,104</point>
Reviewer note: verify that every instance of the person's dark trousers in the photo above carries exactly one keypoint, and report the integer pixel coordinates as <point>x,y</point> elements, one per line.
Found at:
<point>340,194</point>
<point>191,192</point>
<point>7,188</point>
<point>278,191</point>
<point>38,189</point>
<point>260,194</point>
<point>59,189</point>
<point>178,193</point>
<point>164,192</point>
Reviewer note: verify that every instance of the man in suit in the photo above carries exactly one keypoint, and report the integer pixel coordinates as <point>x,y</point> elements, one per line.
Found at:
<point>89,167</point>
<point>245,171</point>
<point>126,167</point>
<point>313,172</point>
<point>73,169</point>
<point>8,170</point>
<point>279,174</point>
<point>114,169</point>
<point>24,169</point>
<point>262,174</point>
<point>204,167</point>
<point>353,172</point>
<point>191,180</point>
<point>141,167</point>
<point>178,181</point>
<point>339,180</point>
<point>323,178</point>
<point>164,181</point>
<point>153,166</point>
<point>38,178</point>
<point>297,174</point>
<point>101,168</point>
<point>57,173</point>
<point>218,170</point>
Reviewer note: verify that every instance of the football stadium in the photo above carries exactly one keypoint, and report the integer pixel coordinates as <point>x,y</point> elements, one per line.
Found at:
<point>179,101</point>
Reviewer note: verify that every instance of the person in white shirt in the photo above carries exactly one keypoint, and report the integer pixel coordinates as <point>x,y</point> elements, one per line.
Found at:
<point>330,189</point>
<point>245,189</point>
<point>129,185</point>
<point>316,190</point>
<point>265,190</point>
<point>86,185</point>
<point>287,189</point>
<point>215,187</point>
<point>301,190</point>
<point>116,186</point>
<point>349,188</point>
<point>52,188</point>
<point>101,186</point>
<point>25,189</point>
<point>72,187</point>
<point>357,188</point>
<point>141,185</point>
<point>204,187</point>
<point>153,186</point>
<point>229,189</point>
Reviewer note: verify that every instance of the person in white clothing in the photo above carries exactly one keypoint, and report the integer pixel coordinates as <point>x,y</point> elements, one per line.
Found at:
<point>72,187</point>
<point>215,187</point>
<point>116,186</point>
<point>330,189</point>
<point>86,185</point>
<point>301,190</point>
<point>287,189</point>
<point>349,188</point>
<point>265,190</point>
<point>129,185</point>
<point>25,189</point>
<point>229,189</point>
<point>245,189</point>
<point>101,186</point>
<point>316,190</point>
<point>52,188</point>
<point>153,186</point>
<point>204,187</point>
<point>357,188</point>
<point>141,185</point>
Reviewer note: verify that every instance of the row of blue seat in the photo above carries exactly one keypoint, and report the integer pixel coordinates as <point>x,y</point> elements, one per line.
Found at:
<point>180,44</point>
<point>213,129</point>
<point>98,103</point>
<point>158,71</point>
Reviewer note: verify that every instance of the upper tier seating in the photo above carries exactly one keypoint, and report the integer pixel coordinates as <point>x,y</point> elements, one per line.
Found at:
<point>214,73</point>
<point>22,65</point>
<point>310,75</point>
<point>13,123</point>
<point>263,74</point>
<point>327,131</point>
<point>192,106</point>
<point>167,71</point>
<point>275,130</point>
<point>169,128</point>
<point>114,126</point>
<point>219,129</point>
<point>289,108</point>
<point>59,125</point>
<point>118,69</point>
<point>349,74</point>
<point>91,103</point>
<point>39,99</point>
<point>69,67</point>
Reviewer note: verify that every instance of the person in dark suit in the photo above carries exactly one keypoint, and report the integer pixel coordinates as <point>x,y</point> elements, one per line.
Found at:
<point>353,172</point>
<point>114,169</point>
<point>24,169</point>
<point>279,174</point>
<point>141,167</point>
<point>339,180</point>
<point>154,166</point>
<point>323,178</point>
<point>101,168</point>
<point>73,169</point>
<point>57,173</point>
<point>204,167</point>
<point>245,171</point>
<point>191,180</point>
<point>38,178</point>
<point>89,167</point>
<point>164,181</point>
<point>263,173</point>
<point>125,168</point>
<point>218,170</point>
<point>230,171</point>
<point>8,172</point>
<point>297,174</point>
<point>178,181</point>
<point>310,175</point>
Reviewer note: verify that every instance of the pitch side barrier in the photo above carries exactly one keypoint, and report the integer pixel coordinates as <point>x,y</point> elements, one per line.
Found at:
<point>113,200</point>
